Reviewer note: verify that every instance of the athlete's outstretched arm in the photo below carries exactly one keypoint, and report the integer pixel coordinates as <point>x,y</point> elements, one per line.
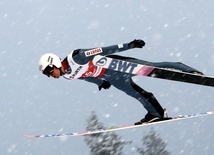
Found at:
<point>82,56</point>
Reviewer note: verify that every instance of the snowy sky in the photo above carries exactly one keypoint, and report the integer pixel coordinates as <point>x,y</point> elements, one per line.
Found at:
<point>34,104</point>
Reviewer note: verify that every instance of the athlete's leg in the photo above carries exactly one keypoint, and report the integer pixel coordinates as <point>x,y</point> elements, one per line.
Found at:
<point>124,83</point>
<point>170,65</point>
<point>149,97</point>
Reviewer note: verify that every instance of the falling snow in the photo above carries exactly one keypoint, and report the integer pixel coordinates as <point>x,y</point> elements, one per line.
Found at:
<point>34,104</point>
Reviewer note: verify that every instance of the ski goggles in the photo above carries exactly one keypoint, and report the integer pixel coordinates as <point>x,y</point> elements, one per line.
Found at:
<point>48,70</point>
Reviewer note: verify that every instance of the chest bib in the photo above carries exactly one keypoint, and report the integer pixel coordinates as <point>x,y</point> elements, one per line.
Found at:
<point>76,70</point>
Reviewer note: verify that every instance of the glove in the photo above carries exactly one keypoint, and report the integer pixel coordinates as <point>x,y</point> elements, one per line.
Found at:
<point>136,44</point>
<point>104,85</point>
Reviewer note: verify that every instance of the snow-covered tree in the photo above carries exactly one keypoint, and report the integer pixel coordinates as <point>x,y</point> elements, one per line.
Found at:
<point>103,143</point>
<point>152,144</point>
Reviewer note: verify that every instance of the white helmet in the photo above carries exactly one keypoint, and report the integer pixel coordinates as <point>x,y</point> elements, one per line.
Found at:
<point>47,62</point>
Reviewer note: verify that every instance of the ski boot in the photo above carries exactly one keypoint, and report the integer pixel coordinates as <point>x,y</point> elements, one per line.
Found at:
<point>151,118</point>
<point>148,119</point>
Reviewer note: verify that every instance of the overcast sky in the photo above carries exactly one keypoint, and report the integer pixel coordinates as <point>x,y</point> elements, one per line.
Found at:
<point>34,104</point>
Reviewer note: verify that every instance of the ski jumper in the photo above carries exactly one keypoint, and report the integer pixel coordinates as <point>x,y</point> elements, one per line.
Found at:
<point>78,65</point>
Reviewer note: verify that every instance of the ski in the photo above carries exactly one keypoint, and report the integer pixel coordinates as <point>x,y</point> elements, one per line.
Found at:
<point>114,128</point>
<point>150,71</point>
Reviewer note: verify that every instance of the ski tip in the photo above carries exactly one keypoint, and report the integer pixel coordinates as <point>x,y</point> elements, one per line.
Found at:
<point>211,112</point>
<point>30,136</point>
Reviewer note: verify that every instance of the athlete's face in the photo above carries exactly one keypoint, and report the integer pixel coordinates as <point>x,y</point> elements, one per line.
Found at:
<point>55,73</point>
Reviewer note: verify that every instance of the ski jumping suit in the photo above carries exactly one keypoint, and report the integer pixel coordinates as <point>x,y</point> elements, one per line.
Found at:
<point>78,64</point>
